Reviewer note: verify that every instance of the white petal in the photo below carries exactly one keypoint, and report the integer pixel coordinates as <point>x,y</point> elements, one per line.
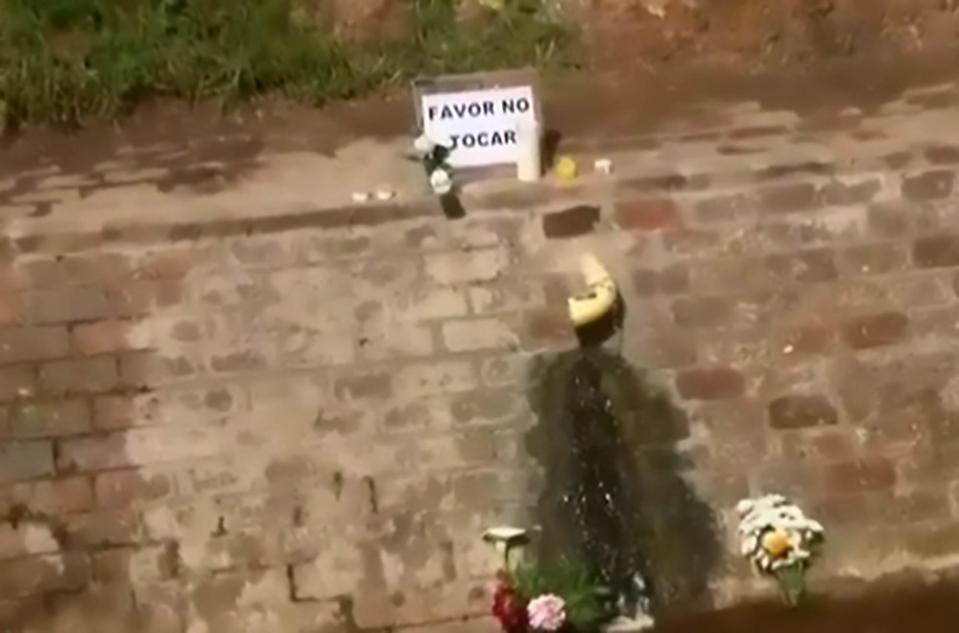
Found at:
<point>423,144</point>
<point>440,181</point>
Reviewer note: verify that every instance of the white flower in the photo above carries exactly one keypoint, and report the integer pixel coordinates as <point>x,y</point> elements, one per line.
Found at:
<point>775,514</point>
<point>423,144</point>
<point>440,181</point>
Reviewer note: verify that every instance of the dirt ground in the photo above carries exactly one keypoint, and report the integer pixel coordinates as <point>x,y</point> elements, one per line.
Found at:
<point>622,102</point>
<point>926,610</point>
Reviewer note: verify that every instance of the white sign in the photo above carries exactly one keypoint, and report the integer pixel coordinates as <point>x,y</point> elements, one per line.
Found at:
<point>481,124</point>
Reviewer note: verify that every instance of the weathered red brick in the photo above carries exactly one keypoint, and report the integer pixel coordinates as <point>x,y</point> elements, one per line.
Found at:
<point>147,369</point>
<point>240,360</point>
<point>548,327</point>
<point>702,312</point>
<point>934,541</point>
<point>186,331</point>
<point>478,334</point>
<point>689,241</point>
<point>648,214</point>
<point>875,330</point>
<point>757,131</point>
<point>823,444</point>
<point>891,219</point>
<point>873,259</point>
<point>25,460</point>
<point>801,411</point>
<point>914,506</point>
<point>14,543</point>
<point>668,281</point>
<point>123,488</point>
<point>105,528</point>
<point>262,251</point>
<point>868,473</point>
<point>20,344</point>
<point>931,185</point>
<point>729,275</point>
<point>49,419</point>
<point>710,384</point>
<point>789,198</point>
<point>483,406</point>
<point>173,261</point>
<point>809,338</point>
<point>936,251</point>
<point>724,208</point>
<point>101,337</point>
<point>86,375</point>
<point>805,267</point>
<point>843,509</point>
<point>140,298</point>
<point>571,222</point>
<point>55,497</point>
<point>10,301</point>
<point>943,155</point>
<point>841,194</point>
<point>897,160</point>
<point>788,478</point>
<point>67,305</point>
<point>40,574</point>
<point>115,566</point>
<point>81,269</point>
<point>101,452</point>
<point>360,386</point>
<point>140,446</point>
<point>113,412</point>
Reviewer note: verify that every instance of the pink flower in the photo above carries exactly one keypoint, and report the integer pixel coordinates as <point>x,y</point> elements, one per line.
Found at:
<point>547,612</point>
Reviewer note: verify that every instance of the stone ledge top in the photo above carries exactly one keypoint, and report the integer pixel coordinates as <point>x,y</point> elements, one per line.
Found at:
<point>173,196</point>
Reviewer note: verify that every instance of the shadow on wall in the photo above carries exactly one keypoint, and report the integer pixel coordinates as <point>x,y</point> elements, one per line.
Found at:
<point>614,497</point>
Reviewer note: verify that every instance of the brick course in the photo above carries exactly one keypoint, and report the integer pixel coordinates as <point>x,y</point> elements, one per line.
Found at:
<point>357,407</point>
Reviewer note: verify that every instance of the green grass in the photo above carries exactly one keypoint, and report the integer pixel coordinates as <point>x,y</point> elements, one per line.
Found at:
<point>573,582</point>
<point>63,60</point>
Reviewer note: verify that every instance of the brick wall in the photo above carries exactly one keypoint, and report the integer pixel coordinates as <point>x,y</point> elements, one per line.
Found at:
<point>307,430</point>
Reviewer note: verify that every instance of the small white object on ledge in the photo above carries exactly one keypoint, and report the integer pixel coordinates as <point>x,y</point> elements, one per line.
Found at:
<point>384,194</point>
<point>361,197</point>
<point>603,166</point>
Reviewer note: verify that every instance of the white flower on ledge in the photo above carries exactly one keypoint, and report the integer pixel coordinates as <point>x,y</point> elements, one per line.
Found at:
<point>441,182</point>
<point>423,144</point>
<point>775,533</point>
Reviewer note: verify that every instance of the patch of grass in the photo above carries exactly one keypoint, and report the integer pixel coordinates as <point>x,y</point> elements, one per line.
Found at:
<point>61,60</point>
<point>574,583</point>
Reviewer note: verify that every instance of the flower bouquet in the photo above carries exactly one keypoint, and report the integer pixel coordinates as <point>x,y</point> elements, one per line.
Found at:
<point>560,598</point>
<point>780,541</point>
<point>433,154</point>
<point>434,157</point>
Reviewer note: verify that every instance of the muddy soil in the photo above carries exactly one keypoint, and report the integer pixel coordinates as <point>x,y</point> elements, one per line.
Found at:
<point>763,32</point>
<point>618,102</point>
<point>932,609</point>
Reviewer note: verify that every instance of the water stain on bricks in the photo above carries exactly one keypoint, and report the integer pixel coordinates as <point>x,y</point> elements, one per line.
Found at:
<point>604,505</point>
<point>571,222</point>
